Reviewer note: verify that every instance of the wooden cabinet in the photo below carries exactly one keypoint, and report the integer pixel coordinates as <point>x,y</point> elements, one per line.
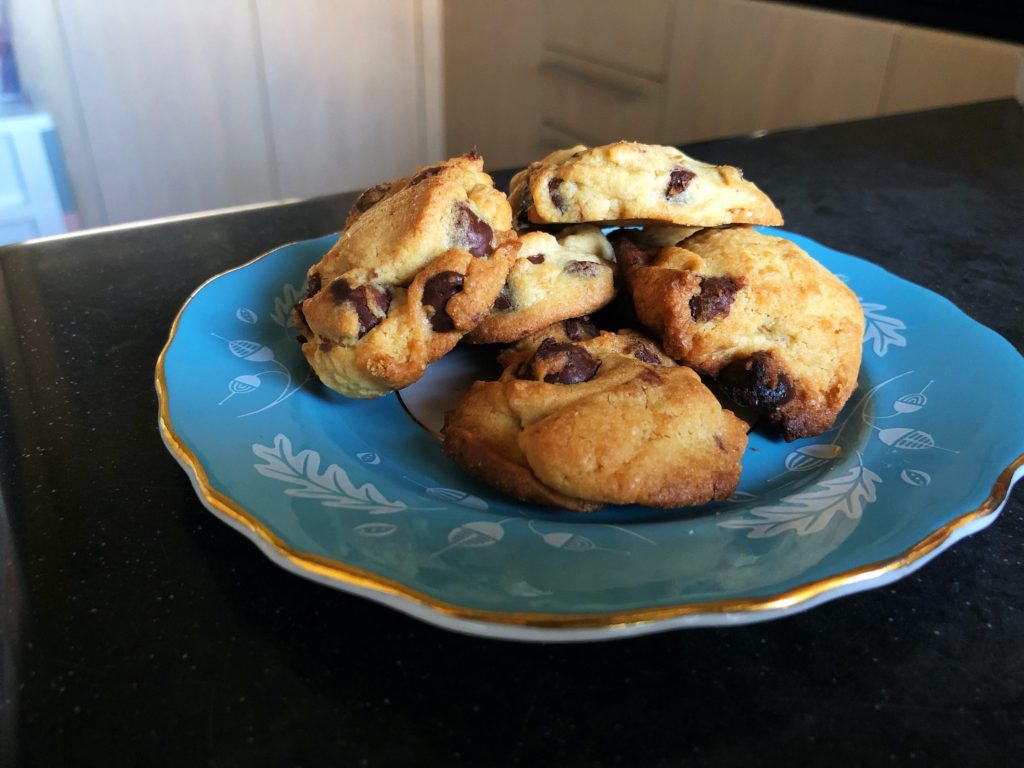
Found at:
<point>673,71</point>
<point>738,67</point>
<point>596,103</point>
<point>492,95</point>
<point>632,37</point>
<point>932,69</point>
<point>342,81</point>
<point>172,107</point>
<point>170,103</point>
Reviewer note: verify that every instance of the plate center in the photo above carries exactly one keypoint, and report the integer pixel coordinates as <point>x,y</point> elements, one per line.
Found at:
<point>444,381</point>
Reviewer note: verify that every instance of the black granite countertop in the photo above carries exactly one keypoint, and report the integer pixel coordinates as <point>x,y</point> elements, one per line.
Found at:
<point>137,629</point>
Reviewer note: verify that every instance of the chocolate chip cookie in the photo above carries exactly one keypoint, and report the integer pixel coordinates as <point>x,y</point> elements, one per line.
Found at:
<point>603,420</point>
<point>630,183</point>
<point>396,228</point>
<point>777,330</point>
<point>419,265</point>
<point>551,280</point>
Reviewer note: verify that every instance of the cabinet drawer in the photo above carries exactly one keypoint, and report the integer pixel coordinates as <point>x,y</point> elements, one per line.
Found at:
<point>627,36</point>
<point>598,104</point>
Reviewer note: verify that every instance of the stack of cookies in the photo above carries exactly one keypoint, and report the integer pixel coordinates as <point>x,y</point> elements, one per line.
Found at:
<point>583,417</point>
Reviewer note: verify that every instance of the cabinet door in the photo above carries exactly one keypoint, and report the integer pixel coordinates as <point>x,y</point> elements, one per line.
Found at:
<point>933,69</point>
<point>346,92</point>
<point>172,104</point>
<point>629,36</point>
<point>597,103</point>
<point>492,56</point>
<point>738,67</point>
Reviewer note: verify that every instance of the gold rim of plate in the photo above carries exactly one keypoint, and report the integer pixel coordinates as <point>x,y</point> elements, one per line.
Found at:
<point>351,575</point>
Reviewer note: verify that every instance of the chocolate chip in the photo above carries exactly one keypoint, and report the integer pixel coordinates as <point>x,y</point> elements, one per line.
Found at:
<point>560,364</point>
<point>556,197</point>
<point>582,268</point>
<point>503,302</point>
<point>301,339</point>
<point>426,173</point>
<point>326,346</point>
<point>473,232</point>
<point>627,253</point>
<point>538,259</point>
<point>436,293</point>
<point>578,328</point>
<point>370,198</point>
<point>313,284</point>
<point>523,212</point>
<point>678,181</point>
<point>756,381</point>
<point>644,355</point>
<point>368,302</point>
<point>715,298</point>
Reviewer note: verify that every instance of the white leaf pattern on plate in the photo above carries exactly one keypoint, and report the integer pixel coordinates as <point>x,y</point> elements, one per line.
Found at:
<point>290,296</point>
<point>475,535</point>
<point>331,487</point>
<point>246,315</point>
<point>812,511</point>
<point>915,477</point>
<point>881,330</point>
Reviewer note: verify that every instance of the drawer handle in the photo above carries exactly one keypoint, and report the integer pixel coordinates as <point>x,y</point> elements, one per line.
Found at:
<point>623,92</point>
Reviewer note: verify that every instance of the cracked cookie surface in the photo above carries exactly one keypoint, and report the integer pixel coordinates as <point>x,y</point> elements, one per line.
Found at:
<point>419,265</point>
<point>552,279</point>
<point>778,331</point>
<point>631,183</point>
<point>602,420</point>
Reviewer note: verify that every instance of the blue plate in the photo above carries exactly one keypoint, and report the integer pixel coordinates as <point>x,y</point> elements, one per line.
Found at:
<point>357,495</point>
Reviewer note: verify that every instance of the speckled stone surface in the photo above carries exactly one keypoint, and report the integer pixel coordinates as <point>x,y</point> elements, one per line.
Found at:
<point>137,629</point>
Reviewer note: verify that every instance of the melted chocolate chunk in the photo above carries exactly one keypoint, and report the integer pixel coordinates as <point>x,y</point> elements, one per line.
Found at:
<point>678,181</point>
<point>715,298</point>
<point>368,302</point>
<point>503,302</point>
<point>436,293</point>
<point>560,364</point>
<point>644,355</point>
<point>538,259</point>
<point>370,197</point>
<point>582,268</point>
<point>628,254</point>
<point>326,346</point>
<point>426,173</point>
<point>313,284</point>
<point>556,197</point>
<point>578,328</point>
<point>301,339</point>
<point>523,213</point>
<point>756,381</point>
<point>474,233</point>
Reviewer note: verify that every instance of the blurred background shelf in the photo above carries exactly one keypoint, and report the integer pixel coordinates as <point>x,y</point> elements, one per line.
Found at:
<point>168,107</point>
<point>34,195</point>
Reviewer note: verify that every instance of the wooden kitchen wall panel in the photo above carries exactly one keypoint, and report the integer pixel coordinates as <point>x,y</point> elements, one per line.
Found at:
<point>630,36</point>
<point>932,69</point>
<point>172,103</point>
<point>492,100</point>
<point>598,104</point>
<point>345,93</point>
<point>739,66</point>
